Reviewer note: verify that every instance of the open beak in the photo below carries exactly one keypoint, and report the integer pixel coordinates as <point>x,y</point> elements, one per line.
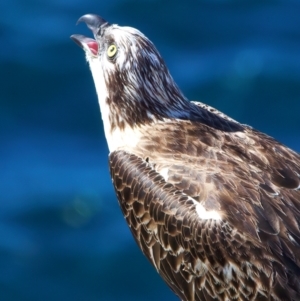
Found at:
<point>93,22</point>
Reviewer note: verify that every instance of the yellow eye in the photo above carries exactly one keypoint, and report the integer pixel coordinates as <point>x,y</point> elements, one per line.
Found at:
<point>112,50</point>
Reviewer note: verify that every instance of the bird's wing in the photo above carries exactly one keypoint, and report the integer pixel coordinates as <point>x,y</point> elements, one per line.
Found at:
<point>250,247</point>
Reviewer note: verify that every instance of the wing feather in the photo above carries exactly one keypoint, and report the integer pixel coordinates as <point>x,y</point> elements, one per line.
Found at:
<point>251,253</point>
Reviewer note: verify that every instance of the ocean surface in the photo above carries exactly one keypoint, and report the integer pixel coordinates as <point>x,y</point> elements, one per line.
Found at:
<point>62,234</point>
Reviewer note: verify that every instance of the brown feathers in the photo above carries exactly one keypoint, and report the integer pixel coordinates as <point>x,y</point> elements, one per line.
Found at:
<point>253,252</point>
<point>213,204</point>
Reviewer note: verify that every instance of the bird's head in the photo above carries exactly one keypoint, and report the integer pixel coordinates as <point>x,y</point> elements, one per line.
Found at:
<point>132,81</point>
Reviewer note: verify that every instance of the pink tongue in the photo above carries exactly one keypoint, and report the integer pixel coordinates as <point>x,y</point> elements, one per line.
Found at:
<point>93,45</point>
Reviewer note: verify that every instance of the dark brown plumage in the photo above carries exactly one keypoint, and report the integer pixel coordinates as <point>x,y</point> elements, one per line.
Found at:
<point>213,204</point>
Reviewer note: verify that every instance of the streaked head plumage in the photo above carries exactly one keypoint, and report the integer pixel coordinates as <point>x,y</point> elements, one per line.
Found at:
<point>134,85</point>
<point>135,79</point>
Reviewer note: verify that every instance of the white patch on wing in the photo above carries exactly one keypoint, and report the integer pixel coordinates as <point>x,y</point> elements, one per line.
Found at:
<point>164,172</point>
<point>206,214</point>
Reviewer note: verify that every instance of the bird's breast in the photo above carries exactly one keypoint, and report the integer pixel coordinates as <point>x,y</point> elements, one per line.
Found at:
<point>123,139</point>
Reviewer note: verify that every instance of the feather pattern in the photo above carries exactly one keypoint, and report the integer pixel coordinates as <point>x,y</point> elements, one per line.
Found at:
<point>253,252</point>
<point>213,204</point>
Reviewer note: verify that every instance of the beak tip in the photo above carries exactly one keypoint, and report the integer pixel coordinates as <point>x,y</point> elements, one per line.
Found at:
<point>92,21</point>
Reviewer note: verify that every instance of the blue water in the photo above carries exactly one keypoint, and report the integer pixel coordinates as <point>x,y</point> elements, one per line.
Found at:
<point>62,235</point>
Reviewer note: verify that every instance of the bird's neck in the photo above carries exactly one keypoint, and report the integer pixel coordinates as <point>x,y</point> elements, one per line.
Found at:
<point>119,133</point>
<point>126,108</point>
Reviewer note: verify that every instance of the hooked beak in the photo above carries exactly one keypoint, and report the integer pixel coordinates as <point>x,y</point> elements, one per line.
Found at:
<point>93,22</point>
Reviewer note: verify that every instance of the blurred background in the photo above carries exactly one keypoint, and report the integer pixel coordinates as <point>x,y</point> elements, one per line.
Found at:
<point>62,234</point>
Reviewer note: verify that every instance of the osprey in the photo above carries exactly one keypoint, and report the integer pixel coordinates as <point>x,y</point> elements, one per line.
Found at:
<point>212,203</point>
